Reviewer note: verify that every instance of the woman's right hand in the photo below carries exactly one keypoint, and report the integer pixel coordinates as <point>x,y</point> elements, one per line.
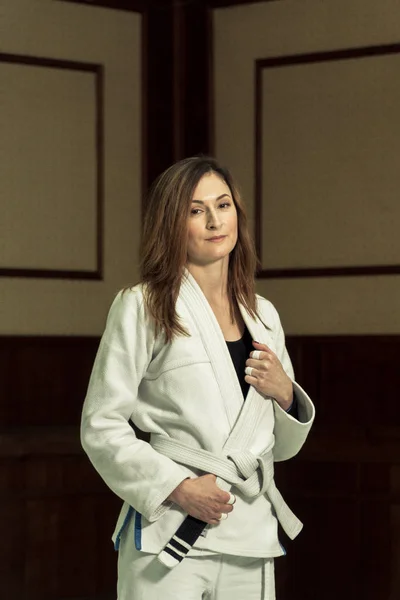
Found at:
<point>203,499</point>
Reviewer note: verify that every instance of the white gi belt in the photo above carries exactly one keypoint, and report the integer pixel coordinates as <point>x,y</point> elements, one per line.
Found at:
<point>252,475</point>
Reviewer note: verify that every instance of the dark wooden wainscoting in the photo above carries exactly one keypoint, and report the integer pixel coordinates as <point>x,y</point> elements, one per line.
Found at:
<point>345,483</point>
<point>56,515</point>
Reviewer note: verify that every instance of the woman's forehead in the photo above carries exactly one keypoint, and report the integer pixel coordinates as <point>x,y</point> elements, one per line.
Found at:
<point>211,187</point>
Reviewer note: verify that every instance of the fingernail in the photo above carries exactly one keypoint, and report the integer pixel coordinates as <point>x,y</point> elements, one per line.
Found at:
<point>255,341</point>
<point>232,499</point>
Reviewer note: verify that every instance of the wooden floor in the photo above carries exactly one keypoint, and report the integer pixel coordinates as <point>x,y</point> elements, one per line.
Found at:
<point>56,515</point>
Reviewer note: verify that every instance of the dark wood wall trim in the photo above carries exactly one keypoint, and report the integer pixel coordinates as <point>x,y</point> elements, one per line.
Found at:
<point>128,5</point>
<point>160,75</point>
<point>138,5</point>
<point>298,273</point>
<point>281,62</point>
<point>197,118</point>
<point>231,3</point>
<point>179,83</point>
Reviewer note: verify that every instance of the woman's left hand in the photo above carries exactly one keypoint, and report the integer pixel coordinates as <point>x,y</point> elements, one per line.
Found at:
<point>268,376</point>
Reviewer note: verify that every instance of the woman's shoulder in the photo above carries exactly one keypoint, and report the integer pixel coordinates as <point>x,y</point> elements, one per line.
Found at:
<point>127,301</point>
<point>132,293</point>
<point>127,320</point>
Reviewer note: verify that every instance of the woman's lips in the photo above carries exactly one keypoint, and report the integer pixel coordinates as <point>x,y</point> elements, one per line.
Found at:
<point>218,238</point>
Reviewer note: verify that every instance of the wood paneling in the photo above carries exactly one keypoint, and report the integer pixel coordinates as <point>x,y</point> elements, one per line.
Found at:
<point>57,515</point>
<point>43,379</point>
<point>343,484</point>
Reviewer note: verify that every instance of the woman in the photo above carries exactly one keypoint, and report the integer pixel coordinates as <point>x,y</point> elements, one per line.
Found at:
<point>195,358</point>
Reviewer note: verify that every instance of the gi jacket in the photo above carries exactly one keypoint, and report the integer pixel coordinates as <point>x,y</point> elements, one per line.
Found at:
<point>187,391</point>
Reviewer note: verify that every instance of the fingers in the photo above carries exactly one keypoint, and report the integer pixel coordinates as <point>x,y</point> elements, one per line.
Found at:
<point>227,500</point>
<point>217,520</point>
<point>259,361</point>
<point>222,516</point>
<point>254,369</point>
<point>256,364</point>
<point>206,501</point>
<point>259,356</point>
<point>224,507</point>
<point>251,380</point>
<point>261,347</point>
<point>249,371</point>
<point>225,497</point>
<point>232,498</point>
<point>227,506</point>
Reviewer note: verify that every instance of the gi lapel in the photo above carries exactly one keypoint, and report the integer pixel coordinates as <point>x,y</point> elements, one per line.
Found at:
<point>214,344</point>
<point>246,413</point>
<point>255,404</point>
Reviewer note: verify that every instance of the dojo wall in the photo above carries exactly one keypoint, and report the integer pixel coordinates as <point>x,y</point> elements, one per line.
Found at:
<point>56,514</point>
<point>51,163</point>
<point>328,148</point>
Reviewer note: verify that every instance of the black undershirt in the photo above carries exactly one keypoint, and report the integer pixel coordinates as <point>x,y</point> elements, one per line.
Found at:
<point>240,352</point>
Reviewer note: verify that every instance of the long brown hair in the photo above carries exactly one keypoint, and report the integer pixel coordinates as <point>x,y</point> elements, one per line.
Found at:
<point>165,238</point>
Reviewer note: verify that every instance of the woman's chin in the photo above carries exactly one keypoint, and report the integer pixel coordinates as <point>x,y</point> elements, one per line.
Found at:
<point>206,261</point>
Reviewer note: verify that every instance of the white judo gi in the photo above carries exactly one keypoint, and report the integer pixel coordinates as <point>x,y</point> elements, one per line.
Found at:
<point>186,394</point>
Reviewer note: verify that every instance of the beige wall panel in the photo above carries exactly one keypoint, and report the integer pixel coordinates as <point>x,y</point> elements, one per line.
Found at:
<point>342,305</point>
<point>74,32</point>
<point>330,171</point>
<point>246,33</point>
<point>48,178</point>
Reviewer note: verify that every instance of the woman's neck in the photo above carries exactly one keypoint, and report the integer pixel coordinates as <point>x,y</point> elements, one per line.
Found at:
<point>213,281</point>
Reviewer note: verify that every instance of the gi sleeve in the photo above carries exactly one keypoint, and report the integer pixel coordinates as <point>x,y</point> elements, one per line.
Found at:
<point>290,433</point>
<point>130,467</point>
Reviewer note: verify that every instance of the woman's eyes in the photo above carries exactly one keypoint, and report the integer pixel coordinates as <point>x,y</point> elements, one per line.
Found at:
<point>197,211</point>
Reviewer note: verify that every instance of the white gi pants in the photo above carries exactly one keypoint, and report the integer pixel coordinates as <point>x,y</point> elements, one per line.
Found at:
<point>210,577</point>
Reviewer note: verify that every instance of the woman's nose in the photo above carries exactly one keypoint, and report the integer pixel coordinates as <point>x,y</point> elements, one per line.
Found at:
<point>213,221</point>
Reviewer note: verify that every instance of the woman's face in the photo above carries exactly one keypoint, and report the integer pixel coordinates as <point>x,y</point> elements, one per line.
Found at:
<point>212,222</point>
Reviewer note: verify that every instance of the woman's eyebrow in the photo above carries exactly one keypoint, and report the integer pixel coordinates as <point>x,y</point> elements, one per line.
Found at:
<point>216,199</point>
